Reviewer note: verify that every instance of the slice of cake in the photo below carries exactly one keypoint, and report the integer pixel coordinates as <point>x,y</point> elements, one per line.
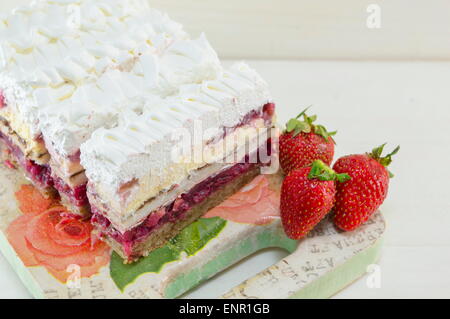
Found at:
<point>65,124</point>
<point>71,67</point>
<point>155,173</point>
<point>49,48</point>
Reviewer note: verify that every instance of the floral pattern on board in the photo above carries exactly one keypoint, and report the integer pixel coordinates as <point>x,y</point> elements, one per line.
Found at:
<point>256,203</point>
<point>47,235</point>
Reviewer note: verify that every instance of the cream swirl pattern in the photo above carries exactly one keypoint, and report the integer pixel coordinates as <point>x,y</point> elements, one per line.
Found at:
<point>51,47</point>
<point>111,156</point>
<point>67,122</point>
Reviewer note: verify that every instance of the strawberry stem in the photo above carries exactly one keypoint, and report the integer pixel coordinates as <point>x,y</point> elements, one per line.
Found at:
<point>323,172</point>
<point>306,126</point>
<point>303,112</point>
<point>386,160</point>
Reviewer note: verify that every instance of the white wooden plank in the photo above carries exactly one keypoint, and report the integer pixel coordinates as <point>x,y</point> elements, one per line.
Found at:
<point>410,29</point>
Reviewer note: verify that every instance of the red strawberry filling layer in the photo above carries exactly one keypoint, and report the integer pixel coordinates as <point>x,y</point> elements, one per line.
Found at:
<point>39,174</point>
<point>176,210</point>
<point>76,195</point>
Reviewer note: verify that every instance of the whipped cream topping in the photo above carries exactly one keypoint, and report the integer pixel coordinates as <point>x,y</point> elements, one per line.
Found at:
<point>68,118</point>
<point>143,144</point>
<point>59,45</point>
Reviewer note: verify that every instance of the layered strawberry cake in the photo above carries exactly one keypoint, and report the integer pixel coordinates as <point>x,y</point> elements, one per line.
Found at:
<point>62,79</point>
<point>155,173</point>
<point>110,105</point>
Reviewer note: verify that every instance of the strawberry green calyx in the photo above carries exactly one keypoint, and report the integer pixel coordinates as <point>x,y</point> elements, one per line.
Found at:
<point>323,172</point>
<point>306,126</point>
<point>386,160</point>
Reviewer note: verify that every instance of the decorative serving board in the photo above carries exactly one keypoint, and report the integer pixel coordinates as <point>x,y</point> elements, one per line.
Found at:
<point>54,261</point>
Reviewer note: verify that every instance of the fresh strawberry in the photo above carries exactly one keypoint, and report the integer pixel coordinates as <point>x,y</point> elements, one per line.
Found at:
<point>307,195</point>
<point>304,142</point>
<point>358,198</point>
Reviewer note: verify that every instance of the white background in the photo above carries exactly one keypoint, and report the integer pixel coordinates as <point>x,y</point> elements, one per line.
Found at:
<point>309,29</point>
<point>393,100</point>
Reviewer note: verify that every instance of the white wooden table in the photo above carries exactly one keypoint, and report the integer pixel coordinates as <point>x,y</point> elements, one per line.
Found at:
<point>320,29</point>
<point>369,103</point>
